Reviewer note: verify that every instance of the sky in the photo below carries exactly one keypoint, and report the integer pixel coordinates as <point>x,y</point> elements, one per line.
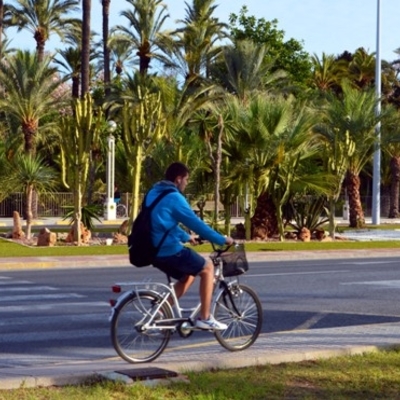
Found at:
<point>330,26</point>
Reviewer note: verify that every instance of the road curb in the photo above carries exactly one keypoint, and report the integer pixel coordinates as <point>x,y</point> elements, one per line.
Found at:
<point>60,262</point>
<point>185,366</point>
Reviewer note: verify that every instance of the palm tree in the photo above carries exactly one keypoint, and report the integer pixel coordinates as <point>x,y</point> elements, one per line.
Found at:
<point>43,18</point>
<point>28,174</point>
<point>390,140</point>
<point>353,115</point>
<point>70,59</point>
<point>145,23</point>
<point>362,68</point>
<point>327,73</point>
<point>27,96</point>
<point>246,69</point>
<point>193,47</point>
<point>120,52</point>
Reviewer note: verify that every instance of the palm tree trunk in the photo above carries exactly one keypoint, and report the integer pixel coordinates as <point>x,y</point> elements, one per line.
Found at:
<point>332,224</point>
<point>394,187</point>
<point>28,211</point>
<point>86,10</point>
<point>106,50</point>
<point>264,222</point>
<point>357,219</point>
<point>217,169</point>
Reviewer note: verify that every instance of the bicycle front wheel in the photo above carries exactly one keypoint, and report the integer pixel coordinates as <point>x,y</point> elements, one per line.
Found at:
<point>133,343</point>
<point>240,308</point>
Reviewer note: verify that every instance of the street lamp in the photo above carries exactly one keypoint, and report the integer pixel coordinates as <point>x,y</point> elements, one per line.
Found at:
<point>111,212</point>
<point>376,177</point>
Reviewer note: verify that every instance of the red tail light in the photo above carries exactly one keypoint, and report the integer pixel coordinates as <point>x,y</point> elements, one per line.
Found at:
<point>116,289</point>
<point>113,302</point>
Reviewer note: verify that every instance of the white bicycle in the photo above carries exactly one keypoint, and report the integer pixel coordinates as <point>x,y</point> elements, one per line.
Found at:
<point>142,318</point>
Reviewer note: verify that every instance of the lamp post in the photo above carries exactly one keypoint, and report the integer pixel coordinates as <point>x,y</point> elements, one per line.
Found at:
<point>111,211</point>
<point>376,178</point>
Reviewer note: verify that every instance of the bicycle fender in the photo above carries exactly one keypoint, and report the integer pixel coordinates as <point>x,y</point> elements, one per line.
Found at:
<point>131,294</point>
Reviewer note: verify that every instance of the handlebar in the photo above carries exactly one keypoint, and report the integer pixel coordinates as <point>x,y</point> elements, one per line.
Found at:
<point>219,251</point>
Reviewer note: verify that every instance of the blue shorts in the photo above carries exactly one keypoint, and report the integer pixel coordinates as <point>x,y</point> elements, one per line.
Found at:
<point>179,266</point>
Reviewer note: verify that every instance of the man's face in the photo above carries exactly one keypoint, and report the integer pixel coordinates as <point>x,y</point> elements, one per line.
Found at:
<point>181,182</point>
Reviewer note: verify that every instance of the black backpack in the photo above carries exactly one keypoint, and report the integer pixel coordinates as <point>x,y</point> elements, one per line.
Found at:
<point>140,245</point>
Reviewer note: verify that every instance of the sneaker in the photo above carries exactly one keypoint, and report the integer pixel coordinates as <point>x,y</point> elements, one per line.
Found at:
<point>210,324</point>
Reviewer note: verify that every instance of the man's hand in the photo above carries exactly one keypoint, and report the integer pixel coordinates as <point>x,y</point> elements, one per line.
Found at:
<point>229,241</point>
<point>194,240</point>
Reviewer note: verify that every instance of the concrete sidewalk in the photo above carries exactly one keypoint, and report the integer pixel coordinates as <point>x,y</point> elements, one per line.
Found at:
<point>275,348</point>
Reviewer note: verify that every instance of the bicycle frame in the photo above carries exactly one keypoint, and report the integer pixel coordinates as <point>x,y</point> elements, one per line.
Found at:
<point>146,314</point>
<point>165,292</point>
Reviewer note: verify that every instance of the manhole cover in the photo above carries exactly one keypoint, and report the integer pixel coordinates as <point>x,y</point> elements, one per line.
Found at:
<point>142,374</point>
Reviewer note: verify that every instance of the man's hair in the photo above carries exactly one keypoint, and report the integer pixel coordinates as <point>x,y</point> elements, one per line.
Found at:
<point>176,169</point>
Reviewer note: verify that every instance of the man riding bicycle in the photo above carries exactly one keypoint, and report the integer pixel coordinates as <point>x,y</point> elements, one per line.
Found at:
<point>173,258</point>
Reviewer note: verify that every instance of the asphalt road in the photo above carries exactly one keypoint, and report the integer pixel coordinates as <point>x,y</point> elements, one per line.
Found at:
<point>57,315</point>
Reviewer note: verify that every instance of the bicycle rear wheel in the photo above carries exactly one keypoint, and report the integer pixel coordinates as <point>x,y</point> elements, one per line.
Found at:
<point>129,340</point>
<point>240,308</point>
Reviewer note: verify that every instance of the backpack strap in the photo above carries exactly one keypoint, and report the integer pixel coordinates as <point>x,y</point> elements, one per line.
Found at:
<point>158,199</point>
<point>151,207</point>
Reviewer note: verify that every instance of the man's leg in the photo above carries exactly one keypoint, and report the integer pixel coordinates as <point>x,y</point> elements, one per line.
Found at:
<point>206,289</point>
<point>182,286</point>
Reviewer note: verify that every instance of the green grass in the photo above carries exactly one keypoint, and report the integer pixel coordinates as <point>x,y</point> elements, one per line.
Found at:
<point>361,377</point>
<point>12,249</point>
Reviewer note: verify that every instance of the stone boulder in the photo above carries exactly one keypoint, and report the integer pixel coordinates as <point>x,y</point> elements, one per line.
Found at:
<point>304,235</point>
<point>86,235</point>
<point>319,234</point>
<point>119,238</point>
<point>123,229</point>
<point>46,238</point>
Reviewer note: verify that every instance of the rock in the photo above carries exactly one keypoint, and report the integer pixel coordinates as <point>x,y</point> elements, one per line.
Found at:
<point>260,233</point>
<point>119,238</point>
<point>46,238</point>
<point>291,236</point>
<point>123,229</point>
<point>319,234</point>
<point>17,232</point>
<point>304,235</point>
<point>86,235</point>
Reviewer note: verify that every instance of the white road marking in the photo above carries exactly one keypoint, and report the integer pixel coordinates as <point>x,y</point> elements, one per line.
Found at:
<point>41,297</point>
<point>297,273</point>
<point>393,284</point>
<point>311,321</point>
<point>16,283</point>
<point>26,289</point>
<point>369,262</point>
<point>48,306</point>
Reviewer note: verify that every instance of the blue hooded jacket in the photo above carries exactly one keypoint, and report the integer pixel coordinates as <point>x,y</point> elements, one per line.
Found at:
<point>168,213</point>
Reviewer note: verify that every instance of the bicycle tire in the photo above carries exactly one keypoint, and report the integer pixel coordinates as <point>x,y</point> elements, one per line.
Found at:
<point>130,343</point>
<point>243,329</point>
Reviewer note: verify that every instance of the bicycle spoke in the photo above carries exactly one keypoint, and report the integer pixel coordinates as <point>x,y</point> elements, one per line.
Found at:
<point>133,343</point>
<point>244,325</point>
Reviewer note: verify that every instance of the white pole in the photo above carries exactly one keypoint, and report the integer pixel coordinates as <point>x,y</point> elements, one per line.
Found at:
<point>376,184</point>
<point>111,211</point>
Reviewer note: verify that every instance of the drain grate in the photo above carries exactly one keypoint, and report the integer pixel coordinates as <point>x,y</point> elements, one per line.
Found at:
<point>142,374</point>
